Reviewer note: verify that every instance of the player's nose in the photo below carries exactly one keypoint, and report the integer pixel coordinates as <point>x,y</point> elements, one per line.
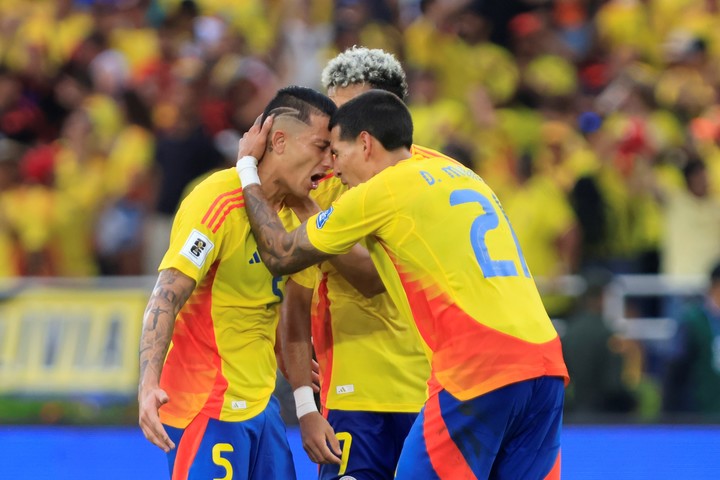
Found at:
<point>327,161</point>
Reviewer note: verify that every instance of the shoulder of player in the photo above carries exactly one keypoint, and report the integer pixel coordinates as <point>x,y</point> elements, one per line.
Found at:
<point>215,198</point>
<point>420,152</point>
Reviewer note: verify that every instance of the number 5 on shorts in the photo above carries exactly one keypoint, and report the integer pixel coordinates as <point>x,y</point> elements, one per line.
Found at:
<point>346,440</point>
<point>220,461</point>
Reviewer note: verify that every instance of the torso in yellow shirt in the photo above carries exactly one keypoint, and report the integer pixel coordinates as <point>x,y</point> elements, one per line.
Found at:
<point>450,260</point>
<point>371,358</point>
<point>221,361</point>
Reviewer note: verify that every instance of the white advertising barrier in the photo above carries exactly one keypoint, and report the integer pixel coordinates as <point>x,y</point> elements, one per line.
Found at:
<point>71,337</point>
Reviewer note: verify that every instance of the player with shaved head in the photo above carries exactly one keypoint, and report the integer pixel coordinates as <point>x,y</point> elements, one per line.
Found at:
<point>207,359</point>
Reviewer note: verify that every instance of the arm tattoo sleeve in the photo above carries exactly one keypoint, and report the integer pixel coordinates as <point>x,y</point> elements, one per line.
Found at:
<point>171,291</point>
<point>282,252</point>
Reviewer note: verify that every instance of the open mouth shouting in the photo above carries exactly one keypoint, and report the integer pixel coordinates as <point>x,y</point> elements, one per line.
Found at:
<point>315,179</point>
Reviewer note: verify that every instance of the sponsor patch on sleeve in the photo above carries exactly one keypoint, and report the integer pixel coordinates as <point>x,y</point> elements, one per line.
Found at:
<point>323,217</point>
<point>197,247</point>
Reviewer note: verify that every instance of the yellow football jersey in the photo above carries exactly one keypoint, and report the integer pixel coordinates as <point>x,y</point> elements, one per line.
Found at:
<point>450,260</point>
<point>371,358</point>
<point>221,361</point>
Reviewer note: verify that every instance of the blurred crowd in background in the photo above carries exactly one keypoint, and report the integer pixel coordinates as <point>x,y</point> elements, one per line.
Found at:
<point>596,122</point>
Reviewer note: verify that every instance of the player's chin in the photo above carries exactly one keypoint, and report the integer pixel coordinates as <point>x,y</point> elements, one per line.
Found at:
<point>302,190</point>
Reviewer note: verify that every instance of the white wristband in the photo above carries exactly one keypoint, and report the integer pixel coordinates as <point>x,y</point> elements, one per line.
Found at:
<point>304,401</point>
<point>247,171</point>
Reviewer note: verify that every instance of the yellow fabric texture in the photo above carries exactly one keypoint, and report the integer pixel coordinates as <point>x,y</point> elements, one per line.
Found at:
<point>225,333</point>
<point>373,348</point>
<point>453,298</point>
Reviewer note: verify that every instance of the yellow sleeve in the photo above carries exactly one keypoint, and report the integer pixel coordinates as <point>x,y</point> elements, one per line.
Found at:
<point>193,246</point>
<point>355,215</point>
<point>342,225</point>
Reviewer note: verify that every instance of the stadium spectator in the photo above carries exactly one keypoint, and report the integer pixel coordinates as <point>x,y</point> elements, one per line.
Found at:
<point>10,154</point>
<point>41,36</point>
<point>184,151</point>
<point>692,383</point>
<point>546,229</point>
<point>691,224</point>
<point>75,90</point>
<point>79,169</point>
<point>489,350</point>
<point>207,401</point>
<point>438,121</point>
<point>119,233</point>
<point>29,207</point>
<point>369,406</point>
<point>21,118</point>
<point>596,356</point>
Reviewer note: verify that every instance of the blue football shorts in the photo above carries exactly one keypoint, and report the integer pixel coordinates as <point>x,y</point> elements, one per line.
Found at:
<point>254,449</point>
<point>371,443</point>
<point>512,433</point>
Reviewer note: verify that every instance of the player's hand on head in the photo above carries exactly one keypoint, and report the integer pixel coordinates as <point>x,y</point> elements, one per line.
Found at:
<point>254,141</point>
<point>319,440</point>
<point>150,402</point>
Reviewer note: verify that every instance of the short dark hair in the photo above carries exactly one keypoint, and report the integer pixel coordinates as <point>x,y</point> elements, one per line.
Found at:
<point>300,103</point>
<point>382,114</point>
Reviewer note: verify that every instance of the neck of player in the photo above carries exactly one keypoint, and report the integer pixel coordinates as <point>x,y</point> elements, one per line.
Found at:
<point>271,185</point>
<point>389,158</point>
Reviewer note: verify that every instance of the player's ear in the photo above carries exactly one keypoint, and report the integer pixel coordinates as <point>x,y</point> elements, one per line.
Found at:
<point>367,143</point>
<point>278,141</point>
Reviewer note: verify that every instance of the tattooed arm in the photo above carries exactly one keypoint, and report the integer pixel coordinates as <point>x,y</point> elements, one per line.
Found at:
<point>171,291</point>
<point>356,266</point>
<point>282,252</point>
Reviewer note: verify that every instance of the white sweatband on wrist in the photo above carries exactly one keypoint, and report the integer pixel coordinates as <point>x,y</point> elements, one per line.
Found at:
<point>304,401</point>
<point>247,171</point>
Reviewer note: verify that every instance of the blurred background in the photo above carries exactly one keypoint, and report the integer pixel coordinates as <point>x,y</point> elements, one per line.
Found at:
<point>597,124</point>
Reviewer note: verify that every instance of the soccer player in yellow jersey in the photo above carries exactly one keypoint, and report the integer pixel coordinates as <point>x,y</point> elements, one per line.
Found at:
<point>207,360</point>
<point>450,259</point>
<point>373,369</point>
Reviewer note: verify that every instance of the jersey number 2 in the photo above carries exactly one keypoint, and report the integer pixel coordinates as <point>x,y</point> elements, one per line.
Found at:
<point>488,220</point>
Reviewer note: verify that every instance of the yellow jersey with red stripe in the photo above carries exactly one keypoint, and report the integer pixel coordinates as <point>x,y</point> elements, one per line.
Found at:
<point>371,358</point>
<point>450,259</point>
<point>221,361</point>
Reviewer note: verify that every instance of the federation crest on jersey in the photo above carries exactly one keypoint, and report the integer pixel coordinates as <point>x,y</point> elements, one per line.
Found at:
<point>323,217</point>
<point>197,247</point>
